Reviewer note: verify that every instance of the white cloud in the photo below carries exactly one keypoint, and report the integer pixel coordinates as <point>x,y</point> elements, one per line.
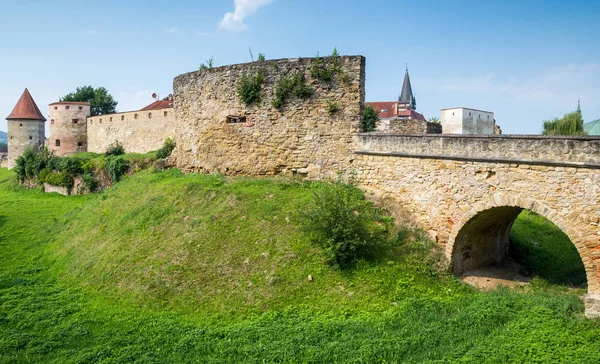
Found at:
<point>170,30</point>
<point>234,21</point>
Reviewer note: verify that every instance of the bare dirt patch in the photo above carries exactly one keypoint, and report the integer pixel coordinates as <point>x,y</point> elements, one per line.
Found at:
<point>506,273</point>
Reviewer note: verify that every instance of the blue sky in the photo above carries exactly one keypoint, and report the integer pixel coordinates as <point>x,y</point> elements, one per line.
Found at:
<point>526,61</point>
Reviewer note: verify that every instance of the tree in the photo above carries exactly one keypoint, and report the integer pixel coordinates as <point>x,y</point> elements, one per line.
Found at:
<point>370,119</point>
<point>100,100</point>
<point>570,124</point>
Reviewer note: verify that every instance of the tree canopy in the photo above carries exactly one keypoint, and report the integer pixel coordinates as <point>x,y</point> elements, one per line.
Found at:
<point>570,124</point>
<point>100,100</point>
<point>370,119</point>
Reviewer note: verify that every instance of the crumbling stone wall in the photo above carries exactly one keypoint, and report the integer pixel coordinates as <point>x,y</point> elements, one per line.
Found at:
<point>138,131</point>
<point>467,191</point>
<point>217,132</point>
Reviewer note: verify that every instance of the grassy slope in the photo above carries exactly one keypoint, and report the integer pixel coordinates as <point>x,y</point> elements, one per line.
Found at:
<point>544,250</point>
<point>169,268</point>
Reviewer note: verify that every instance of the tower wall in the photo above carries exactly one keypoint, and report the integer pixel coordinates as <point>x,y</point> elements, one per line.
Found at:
<point>23,134</point>
<point>68,127</point>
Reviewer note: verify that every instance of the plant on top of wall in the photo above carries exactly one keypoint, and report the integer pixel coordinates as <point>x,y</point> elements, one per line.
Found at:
<point>325,73</point>
<point>294,85</point>
<point>209,64</point>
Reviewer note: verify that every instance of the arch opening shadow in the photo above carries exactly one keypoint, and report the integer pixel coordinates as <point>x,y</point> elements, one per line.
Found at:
<point>541,248</point>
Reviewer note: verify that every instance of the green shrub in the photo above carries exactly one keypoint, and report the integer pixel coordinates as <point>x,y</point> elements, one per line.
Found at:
<point>342,222</point>
<point>294,85</point>
<point>115,148</point>
<point>332,107</point>
<point>116,167</point>
<point>167,149</point>
<point>90,181</point>
<point>62,179</point>
<point>31,162</point>
<point>249,87</point>
<point>319,71</point>
<point>370,119</point>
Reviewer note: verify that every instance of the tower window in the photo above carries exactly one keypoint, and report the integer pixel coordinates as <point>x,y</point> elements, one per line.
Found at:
<point>55,107</point>
<point>52,122</point>
<point>75,121</point>
<point>57,143</point>
<point>165,113</point>
<point>469,114</point>
<point>110,119</point>
<point>30,137</point>
<point>20,125</point>
<point>100,121</point>
<point>149,115</point>
<point>80,108</point>
<point>135,116</point>
<point>67,107</point>
<point>79,144</point>
<point>122,117</point>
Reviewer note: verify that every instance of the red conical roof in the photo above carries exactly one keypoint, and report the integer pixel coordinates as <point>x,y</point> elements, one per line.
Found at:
<point>26,109</point>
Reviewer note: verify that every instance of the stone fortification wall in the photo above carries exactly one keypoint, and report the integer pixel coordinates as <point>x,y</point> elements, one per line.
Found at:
<point>496,148</point>
<point>217,132</point>
<point>68,127</point>
<point>23,134</point>
<point>138,131</point>
<point>413,126</point>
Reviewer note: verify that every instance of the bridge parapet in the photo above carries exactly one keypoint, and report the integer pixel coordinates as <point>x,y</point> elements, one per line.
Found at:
<point>572,151</point>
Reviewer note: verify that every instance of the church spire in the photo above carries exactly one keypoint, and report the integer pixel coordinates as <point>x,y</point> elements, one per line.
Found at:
<point>578,106</point>
<point>407,100</point>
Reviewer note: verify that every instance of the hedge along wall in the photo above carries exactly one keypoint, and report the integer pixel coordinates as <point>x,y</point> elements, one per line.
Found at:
<point>217,132</point>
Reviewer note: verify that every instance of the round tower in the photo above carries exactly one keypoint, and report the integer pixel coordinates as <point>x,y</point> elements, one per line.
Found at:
<point>68,127</point>
<point>26,128</point>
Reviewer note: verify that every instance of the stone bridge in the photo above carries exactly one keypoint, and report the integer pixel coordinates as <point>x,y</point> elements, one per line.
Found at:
<point>468,190</point>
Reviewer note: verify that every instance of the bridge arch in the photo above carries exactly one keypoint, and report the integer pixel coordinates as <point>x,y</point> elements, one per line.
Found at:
<point>480,236</point>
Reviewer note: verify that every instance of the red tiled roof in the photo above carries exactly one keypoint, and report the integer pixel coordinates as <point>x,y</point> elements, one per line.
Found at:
<point>26,109</point>
<point>387,110</point>
<point>160,104</point>
<point>388,106</point>
<point>411,114</point>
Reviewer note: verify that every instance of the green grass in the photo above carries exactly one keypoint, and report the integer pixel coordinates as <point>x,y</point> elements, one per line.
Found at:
<point>545,251</point>
<point>168,268</point>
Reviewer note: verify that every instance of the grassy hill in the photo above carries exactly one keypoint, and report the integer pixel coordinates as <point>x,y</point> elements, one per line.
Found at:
<point>166,267</point>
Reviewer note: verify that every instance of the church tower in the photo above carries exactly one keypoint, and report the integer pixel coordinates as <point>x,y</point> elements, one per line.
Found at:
<point>407,100</point>
<point>26,128</point>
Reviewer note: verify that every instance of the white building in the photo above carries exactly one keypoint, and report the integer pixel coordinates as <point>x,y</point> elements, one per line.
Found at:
<point>462,120</point>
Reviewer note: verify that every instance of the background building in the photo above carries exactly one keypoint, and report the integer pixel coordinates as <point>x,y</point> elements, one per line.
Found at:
<point>462,120</point>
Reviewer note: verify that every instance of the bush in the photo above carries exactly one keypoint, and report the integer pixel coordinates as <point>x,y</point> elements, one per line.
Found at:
<point>31,162</point>
<point>90,181</point>
<point>342,222</point>
<point>166,150</point>
<point>62,179</point>
<point>286,86</point>
<point>249,87</point>
<point>369,120</point>
<point>115,148</point>
<point>116,167</point>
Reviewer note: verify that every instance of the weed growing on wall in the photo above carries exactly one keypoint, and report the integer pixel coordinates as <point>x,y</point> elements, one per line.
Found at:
<point>332,107</point>
<point>325,70</point>
<point>249,87</point>
<point>208,65</point>
<point>288,86</point>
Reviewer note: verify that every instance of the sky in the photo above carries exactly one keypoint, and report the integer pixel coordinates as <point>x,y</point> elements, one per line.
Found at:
<point>526,61</point>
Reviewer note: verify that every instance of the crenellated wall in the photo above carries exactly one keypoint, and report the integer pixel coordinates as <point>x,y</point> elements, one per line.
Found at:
<point>138,131</point>
<point>216,132</point>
